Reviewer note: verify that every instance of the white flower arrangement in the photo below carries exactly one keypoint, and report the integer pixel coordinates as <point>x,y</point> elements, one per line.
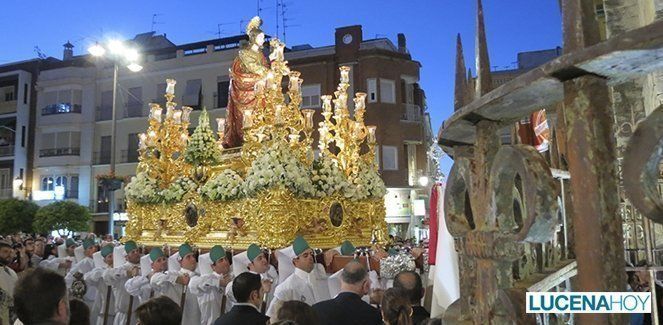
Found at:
<point>367,183</point>
<point>177,189</point>
<point>329,179</point>
<point>202,148</point>
<point>277,166</point>
<point>143,189</point>
<point>223,187</point>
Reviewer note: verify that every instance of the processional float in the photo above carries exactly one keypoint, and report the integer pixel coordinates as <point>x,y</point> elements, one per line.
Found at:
<point>189,188</point>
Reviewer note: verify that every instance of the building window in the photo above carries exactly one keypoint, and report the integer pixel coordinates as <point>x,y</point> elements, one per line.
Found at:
<point>23,136</point>
<point>60,144</point>
<point>372,90</point>
<point>69,184</point>
<point>9,96</point>
<point>132,148</point>
<point>161,93</point>
<point>25,93</point>
<point>389,158</point>
<point>105,110</point>
<point>62,102</point>
<point>411,150</point>
<point>222,89</point>
<point>387,91</point>
<point>311,96</point>
<point>134,106</point>
<point>193,93</point>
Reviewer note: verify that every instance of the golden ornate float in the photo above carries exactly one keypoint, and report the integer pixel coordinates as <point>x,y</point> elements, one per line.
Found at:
<point>273,188</point>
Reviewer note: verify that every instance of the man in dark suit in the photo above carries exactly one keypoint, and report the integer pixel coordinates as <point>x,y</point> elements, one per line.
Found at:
<point>410,282</point>
<point>347,308</point>
<point>247,289</point>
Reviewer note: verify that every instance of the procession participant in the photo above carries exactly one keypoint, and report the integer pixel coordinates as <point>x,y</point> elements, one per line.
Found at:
<point>334,282</point>
<point>104,302</point>
<point>302,283</point>
<point>64,260</point>
<point>125,266</point>
<point>211,285</point>
<point>174,283</point>
<point>153,263</point>
<point>85,265</point>
<point>256,261</point>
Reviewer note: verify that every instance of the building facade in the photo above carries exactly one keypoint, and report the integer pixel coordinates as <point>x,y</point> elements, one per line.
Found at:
<point>74,111</point>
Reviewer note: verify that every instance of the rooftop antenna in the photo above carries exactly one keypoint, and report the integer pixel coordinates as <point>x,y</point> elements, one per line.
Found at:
<point>284,10</point>
<point>259,7</point>
<point>155,22</point>
<point>220,31</point>
<point>40,53</point>
<point>278,5</point>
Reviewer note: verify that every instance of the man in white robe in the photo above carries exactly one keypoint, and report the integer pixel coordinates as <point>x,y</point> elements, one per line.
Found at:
<point>255,261</point>
<point>139,286</point>
<point>210,286</point>
<point>85,265</point>
<point>103,260</point>
<point>302,284</point>
<point>174,283</point>
<point>124,268</point>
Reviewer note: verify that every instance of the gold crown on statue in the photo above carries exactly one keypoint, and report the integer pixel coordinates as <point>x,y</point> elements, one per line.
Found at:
<point>189,189</point>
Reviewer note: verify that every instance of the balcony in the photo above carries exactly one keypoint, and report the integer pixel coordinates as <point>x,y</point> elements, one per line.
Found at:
<point>59,152</point>
<point>6,151</point>
<point>101,158</point>
<point>6,193</point>
<point>129,156</point>
<point>61,108</point>
<point>103,113</point>
<point>134,110</point>
<point>7,107</point>
<point>103,206</point>
<point>412,113</point>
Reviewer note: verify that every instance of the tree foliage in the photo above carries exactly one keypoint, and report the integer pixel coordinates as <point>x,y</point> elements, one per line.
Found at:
<point>63,216</point>
<point>17,215</point>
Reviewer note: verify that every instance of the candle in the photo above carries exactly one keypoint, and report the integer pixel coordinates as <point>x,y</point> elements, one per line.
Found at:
<point>294,81</point>
<point>345,74</point>
<point>247,118</point>
<point>371,133</point>
<point>360,101</point>
<point>170,88</point>
<point>150,138</point>
<point>184,137</point>
<point>278,116</point>
<point>186,111</point>
<point>358,128</point>
<point>170,110</point>
<point>155,112</point>
<point>177,116</point>
<point>308,118</point>
<point>326,103</point>
<point>142,141</point>
<point>220,124</point>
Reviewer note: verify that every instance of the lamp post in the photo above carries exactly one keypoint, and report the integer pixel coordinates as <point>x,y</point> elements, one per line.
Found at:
<point>118,52</point>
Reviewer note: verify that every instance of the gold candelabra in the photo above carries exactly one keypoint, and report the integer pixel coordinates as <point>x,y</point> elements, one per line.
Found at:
<point>162,147</point>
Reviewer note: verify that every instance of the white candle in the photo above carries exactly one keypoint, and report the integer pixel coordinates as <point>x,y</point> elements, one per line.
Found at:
<point>177,116</point>
<point>142,141</point>
<point>326,103</point>
<point>294,81</point>
<point>345,74</point>
<point>360,101</point>
<point>308,118</point>
<point>371,133</point>
<point>170,110</point>
<point>170,88</point>
<point>150,138</point>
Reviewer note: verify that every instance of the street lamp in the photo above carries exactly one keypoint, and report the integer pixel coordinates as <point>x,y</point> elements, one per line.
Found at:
<point>117,51</point>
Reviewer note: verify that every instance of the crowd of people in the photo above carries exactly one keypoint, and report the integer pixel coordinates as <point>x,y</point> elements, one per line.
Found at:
<point>89,281</point>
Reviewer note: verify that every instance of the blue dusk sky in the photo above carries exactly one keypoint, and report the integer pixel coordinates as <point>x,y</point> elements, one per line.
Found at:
<point>430,27</point>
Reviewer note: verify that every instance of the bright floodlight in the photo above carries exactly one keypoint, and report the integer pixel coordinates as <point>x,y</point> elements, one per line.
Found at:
<point>135,67</point>
<point>131,54</point>
<point>116,47</point>
<point>423,180</point>
<point>96,50</point>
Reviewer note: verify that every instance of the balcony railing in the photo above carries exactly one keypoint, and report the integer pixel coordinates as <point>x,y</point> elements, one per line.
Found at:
<point>134,110</point>
<point>6,151</point>
<point>6,193</point>
<point>59,152</point>
<point>61,108</point>
<point>101,158</point>
<point>412,113</point>
<point>103,113</point>
<point>102,206</point>
<point>129,156</point>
